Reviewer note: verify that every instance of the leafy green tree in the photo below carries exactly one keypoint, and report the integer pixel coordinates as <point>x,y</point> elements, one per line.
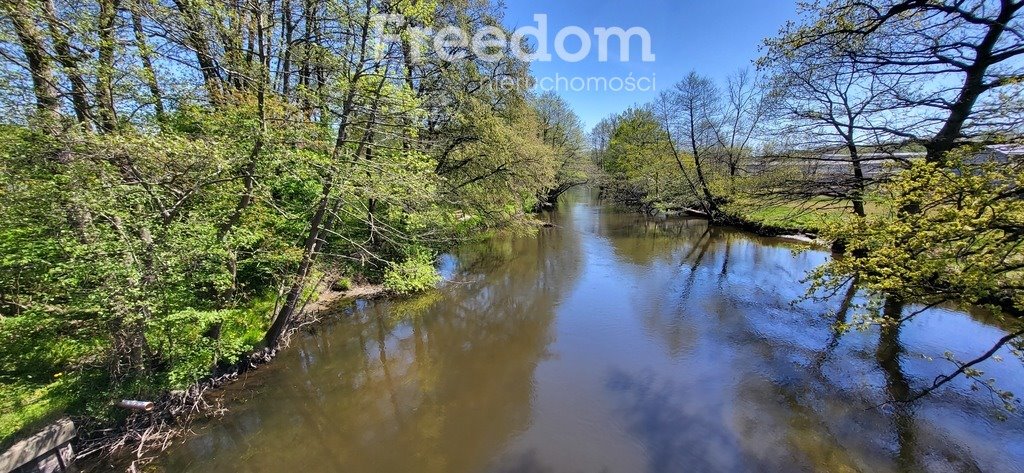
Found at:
<point>639,160</point>
<point>563,132</point>
<point>963,247</point>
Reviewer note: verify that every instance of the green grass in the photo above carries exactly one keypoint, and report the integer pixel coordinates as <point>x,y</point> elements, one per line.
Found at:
<point>24,406</point>
<point>785,217</point>
<point>797,216</point>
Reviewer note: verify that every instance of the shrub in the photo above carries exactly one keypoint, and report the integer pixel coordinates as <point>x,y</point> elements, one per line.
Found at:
<point>416,274</point>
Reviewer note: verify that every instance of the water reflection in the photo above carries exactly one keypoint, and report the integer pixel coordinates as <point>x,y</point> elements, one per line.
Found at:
<point>377,392</point>
<point>617,343</point>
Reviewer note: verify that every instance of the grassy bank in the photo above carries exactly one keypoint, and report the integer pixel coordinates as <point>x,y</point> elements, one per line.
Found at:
<point>793,217</point>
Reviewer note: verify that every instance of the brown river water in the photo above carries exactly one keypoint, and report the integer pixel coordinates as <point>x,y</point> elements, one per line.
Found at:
<point>615,343</point>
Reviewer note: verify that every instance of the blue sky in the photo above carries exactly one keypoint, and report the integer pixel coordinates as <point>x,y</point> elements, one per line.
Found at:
<point>713,37</point>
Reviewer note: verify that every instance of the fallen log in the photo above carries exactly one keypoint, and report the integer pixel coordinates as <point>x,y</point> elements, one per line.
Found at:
<point>141,406</point>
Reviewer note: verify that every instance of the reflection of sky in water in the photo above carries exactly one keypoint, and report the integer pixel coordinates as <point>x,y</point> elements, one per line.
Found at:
<point>613,343</point>
<point>447,266</point>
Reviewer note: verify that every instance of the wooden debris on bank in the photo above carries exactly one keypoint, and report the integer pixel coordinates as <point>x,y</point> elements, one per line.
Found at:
<point>141,406</point>
<point>48,451</point>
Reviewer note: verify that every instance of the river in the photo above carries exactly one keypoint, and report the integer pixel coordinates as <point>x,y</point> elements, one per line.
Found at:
<point>614,343</point>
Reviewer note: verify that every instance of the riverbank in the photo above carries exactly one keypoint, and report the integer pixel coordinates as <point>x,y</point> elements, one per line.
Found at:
<point>138,436</point>
<point>83,393</point>
<point>793,233</point>
<point>562,352</point>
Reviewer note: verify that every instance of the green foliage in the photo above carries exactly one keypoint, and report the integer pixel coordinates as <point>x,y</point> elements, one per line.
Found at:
<point>343,284</point>
<point>27,405</point>
<point>116,242</point>
<point>948,234</point>
<point>639,161</point>
<point>194,342</point>
<point>142,226</point>
<point>416,274</point>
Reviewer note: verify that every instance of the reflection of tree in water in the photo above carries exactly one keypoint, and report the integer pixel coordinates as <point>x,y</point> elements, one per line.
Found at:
<point>645,246</point>
<point>839,326</point>
<point>890,351</point>
<point>889,354</point>
<point>839,430</point>
<point>796,405</point>
<point>683,267</point>
<point>439,385</point>
<point>442,383</point>
<point>641,241</point>
<point>686,426</point>
<point>528,462</point>
<point>782,410</point>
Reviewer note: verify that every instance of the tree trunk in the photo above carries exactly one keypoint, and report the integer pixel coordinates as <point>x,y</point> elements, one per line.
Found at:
<point>284,316</point>
<point>146,54</point>
<point>105,69</point>
<point>857,196</point>
<point>973,87</point>
<point>317,232</point>
<point>712,206</point>
<point>288,31</point>
<point>710,198</point>
<point>70,63</point>
<point>38,59</point>
<point>196,39</point>
<point>305,80</point>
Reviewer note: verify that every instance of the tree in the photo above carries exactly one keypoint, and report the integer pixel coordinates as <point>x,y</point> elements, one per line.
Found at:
<point>948,67</point>
<point>180,176</point>
<point>24,19</point>
<point>638,160</point>
<point>696,100</point>
<point>746,109</point>
<point>665,110</point>
<point>826,107</point>
<point>947,75</point>
<point>964,246</point>
<point>563,132</point>
<point>692,129</point>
